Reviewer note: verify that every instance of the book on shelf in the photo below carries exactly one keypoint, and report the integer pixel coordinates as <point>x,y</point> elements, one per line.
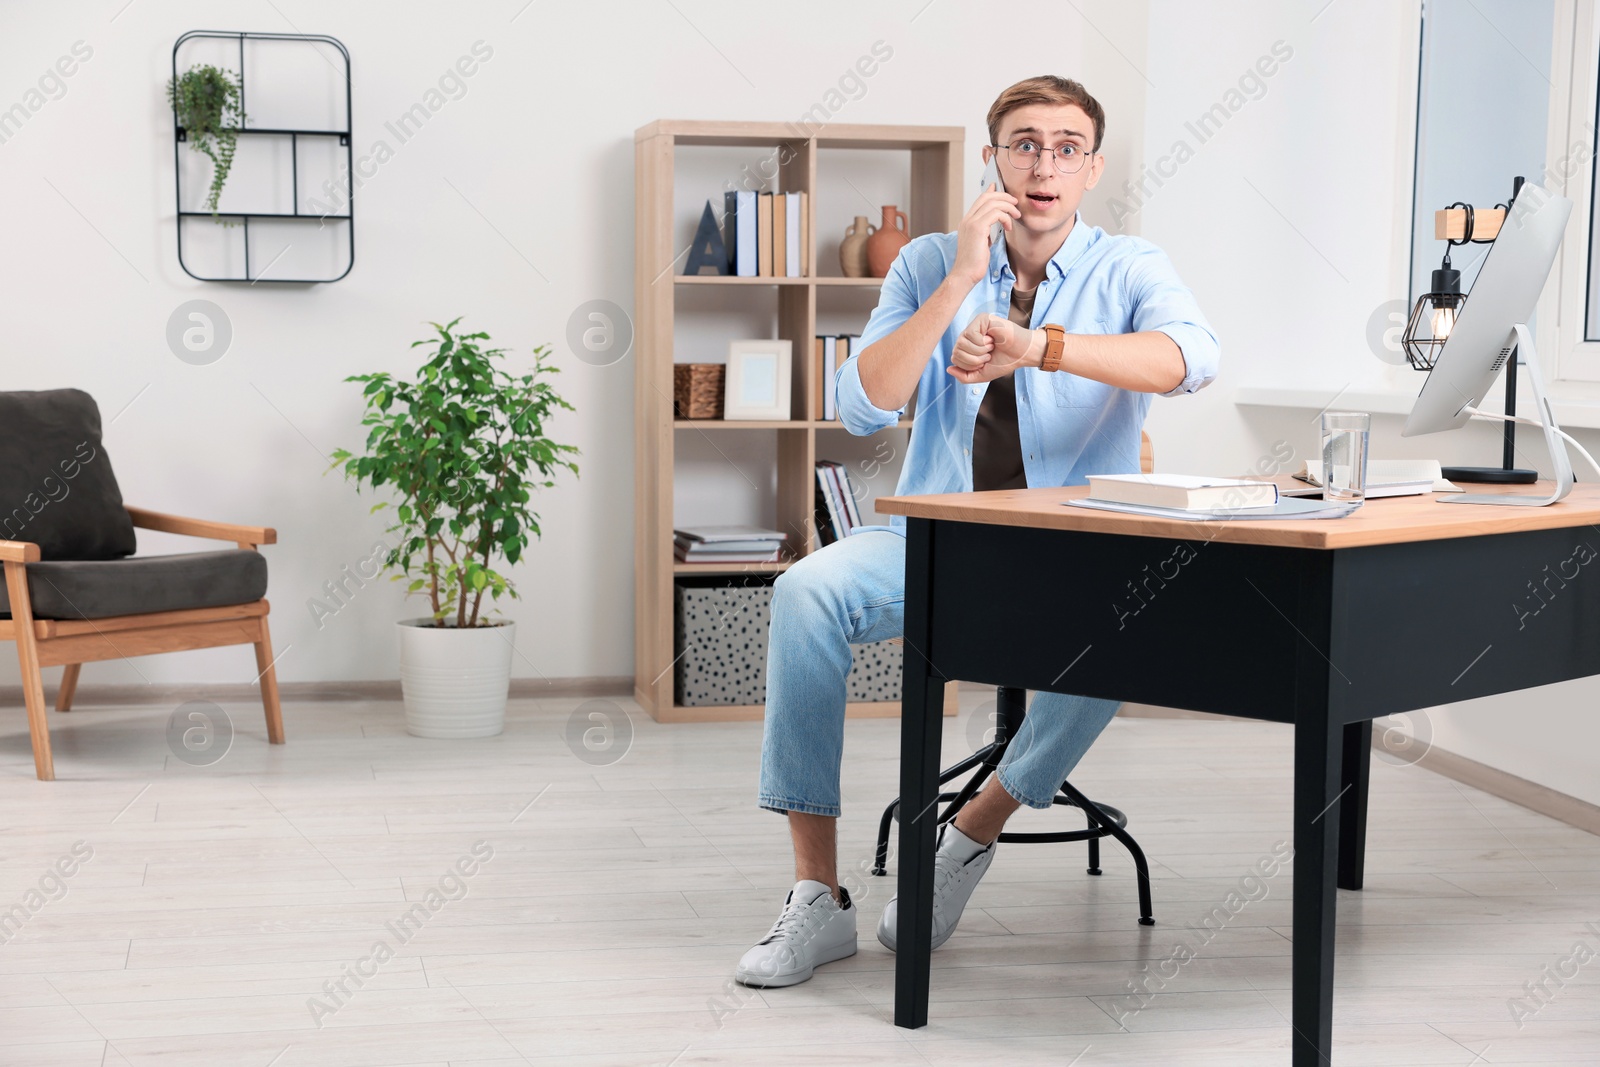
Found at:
<point>712,535</point>
<point>1182,492</point>
<point>780,233</point>
<point>740,205</point>
<point>691,555</point>
<point>827,346</point>
<point>836,512</point>
<point>727,544</point>
<point>793,204</point>
<point>826,512</point>
<point>821,376</point>
<point>767,234</point>
<point>847,492</point>
<point>831,351</point>
<point>764,235</point>
<point>805,237</point>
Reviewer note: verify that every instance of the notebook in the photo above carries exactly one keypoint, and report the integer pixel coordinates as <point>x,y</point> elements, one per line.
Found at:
<point>1382,473</point>
<point>1286,508</point>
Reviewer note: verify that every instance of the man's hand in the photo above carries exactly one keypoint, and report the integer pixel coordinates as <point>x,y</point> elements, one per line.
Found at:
<point>993,346</point>
<point>972,236</point>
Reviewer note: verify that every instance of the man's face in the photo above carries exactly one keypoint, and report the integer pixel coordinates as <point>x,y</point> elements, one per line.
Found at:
<point>1047,196</point>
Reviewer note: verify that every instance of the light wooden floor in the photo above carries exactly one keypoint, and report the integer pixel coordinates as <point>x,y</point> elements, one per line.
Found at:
<point>603,930</point>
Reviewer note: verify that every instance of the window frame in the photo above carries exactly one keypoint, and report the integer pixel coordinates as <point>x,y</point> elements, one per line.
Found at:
<point>1570,170</point>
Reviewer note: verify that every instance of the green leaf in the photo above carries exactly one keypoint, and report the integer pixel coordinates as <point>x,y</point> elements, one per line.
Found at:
<point>454,448</point>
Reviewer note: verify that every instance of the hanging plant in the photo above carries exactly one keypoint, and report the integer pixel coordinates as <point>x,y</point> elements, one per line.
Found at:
<point>206,100</point>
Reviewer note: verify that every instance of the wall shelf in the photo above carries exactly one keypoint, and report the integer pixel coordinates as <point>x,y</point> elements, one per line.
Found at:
<point>935,206</point>
<point>254,215</point>
<point>346,220</point>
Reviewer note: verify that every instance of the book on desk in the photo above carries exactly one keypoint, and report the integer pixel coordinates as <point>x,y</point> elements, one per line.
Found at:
<point>1199,498</point>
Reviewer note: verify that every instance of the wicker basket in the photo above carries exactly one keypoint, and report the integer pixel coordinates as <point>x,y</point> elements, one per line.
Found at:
<point>697,390</point>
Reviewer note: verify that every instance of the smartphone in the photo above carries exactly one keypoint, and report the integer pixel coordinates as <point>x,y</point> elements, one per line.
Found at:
<point>991,176</point>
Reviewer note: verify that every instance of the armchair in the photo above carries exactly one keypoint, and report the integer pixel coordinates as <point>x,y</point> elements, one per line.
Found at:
<point>74,592</point>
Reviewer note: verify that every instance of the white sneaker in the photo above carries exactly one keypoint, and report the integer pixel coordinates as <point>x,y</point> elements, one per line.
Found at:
<point>953,883</point>
<point>814,929</point>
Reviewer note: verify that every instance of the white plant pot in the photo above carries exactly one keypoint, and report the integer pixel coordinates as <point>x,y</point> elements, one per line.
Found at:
<point>455,681</point>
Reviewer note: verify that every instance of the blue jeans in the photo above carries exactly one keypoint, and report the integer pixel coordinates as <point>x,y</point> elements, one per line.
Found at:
<point>852,592</point>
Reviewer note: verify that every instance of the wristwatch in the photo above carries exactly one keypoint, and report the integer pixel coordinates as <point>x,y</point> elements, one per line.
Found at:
<point>1055,339</point>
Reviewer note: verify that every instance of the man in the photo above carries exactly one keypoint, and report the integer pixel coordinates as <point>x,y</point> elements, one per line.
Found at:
<point>1003,402</point>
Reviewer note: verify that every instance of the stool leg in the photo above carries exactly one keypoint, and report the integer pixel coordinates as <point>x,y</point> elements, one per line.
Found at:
<point>989,756</point>
<point>1094,855</point>
<point>881,857</point>
<point>1141,870</point>
<point>1141,866</point>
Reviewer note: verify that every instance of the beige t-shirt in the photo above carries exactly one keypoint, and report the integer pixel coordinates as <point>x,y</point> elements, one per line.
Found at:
<point>996,443</point>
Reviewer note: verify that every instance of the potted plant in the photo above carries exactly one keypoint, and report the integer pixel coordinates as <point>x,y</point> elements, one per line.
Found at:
<point>206,101</point>
<point>461,448</point>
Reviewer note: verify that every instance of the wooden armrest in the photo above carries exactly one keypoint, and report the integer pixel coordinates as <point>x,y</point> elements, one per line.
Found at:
<point>216,531</point>
<point>19,551</point>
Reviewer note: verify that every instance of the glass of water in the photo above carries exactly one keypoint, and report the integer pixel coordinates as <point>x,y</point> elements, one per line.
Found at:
<point>1344,455</point>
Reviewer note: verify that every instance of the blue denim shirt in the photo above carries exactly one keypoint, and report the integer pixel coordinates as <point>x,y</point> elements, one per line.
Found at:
<point>1070,427</point>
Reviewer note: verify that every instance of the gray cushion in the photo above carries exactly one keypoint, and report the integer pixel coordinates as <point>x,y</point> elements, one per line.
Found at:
<point>56,485</point>
<point>99,589</point>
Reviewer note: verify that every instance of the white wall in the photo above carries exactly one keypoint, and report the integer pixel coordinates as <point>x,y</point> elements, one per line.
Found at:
<point>1291,225</point>
<point>513,205</point>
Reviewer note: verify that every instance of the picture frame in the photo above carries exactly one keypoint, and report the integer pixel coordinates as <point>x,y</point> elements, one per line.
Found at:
<point>758,382</point>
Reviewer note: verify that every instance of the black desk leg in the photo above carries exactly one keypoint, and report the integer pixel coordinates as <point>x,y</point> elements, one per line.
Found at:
<point>1317,766</point>
<point>921,722</point>
<point>1356,767</point>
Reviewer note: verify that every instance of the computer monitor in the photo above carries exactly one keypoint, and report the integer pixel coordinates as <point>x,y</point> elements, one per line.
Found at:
<point>1493,324</point>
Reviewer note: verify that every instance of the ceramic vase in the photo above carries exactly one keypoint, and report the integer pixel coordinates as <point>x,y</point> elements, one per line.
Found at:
<point>853,249</point>
<point>893,235</point>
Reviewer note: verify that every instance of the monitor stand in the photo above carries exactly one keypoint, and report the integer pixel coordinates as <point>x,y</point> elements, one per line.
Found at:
<point>1508,473</point>
<point>1522,340</point>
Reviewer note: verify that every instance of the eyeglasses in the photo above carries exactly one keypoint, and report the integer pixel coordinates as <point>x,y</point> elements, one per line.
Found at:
<point>1025,154</point>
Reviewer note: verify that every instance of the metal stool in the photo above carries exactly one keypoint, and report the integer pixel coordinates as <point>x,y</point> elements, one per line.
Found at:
<point>1103,820</point>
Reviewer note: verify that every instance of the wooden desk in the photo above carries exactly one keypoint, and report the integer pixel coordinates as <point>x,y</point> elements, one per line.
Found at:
<point>1325,624</point>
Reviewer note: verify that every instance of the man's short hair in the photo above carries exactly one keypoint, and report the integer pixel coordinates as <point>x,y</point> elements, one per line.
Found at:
<point>1047,89</point>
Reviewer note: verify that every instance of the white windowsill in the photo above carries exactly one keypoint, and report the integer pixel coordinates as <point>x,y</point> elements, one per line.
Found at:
<point>1577,404</point>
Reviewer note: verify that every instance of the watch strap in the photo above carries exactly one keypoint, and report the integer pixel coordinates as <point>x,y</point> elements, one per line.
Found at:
<point>1055,341</point>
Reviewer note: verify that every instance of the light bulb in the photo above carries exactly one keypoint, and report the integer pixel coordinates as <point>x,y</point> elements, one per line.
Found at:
<point>1444,320</point>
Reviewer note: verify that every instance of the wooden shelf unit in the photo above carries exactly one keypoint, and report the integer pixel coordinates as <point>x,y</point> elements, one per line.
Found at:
<point>935,207</point>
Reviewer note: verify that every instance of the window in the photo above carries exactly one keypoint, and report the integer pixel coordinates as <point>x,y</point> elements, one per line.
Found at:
<point>1570,168</point>
<point>1483,104</point>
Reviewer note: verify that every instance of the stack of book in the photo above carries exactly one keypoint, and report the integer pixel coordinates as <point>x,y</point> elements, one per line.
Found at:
<point>768,234</point>
<point>836,511</point>
<point>727,544</point>
<point>831,352</point>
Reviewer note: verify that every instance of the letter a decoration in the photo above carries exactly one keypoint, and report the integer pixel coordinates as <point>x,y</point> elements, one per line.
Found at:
<point>708,249</point>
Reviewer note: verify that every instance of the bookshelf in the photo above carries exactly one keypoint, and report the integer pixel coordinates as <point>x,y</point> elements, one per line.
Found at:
<point>935,205</point>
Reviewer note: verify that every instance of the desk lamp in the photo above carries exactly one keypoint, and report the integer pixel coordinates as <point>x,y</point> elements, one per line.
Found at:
<point>1434,316</point>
